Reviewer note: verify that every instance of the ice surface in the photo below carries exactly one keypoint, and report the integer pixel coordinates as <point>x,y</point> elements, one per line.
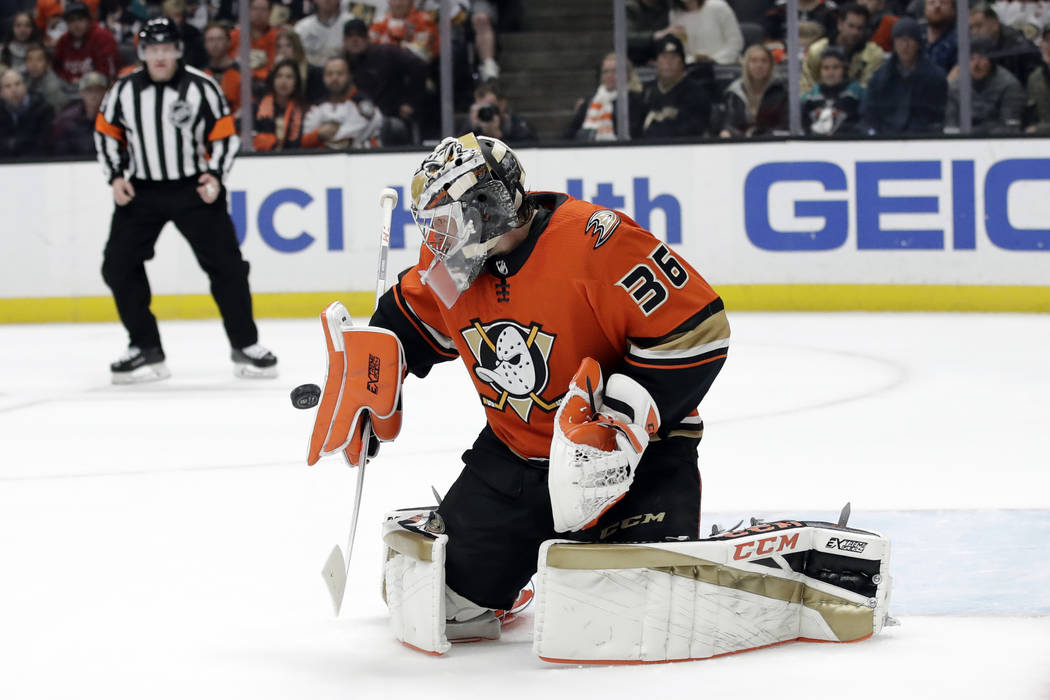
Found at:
<point>165,541</point>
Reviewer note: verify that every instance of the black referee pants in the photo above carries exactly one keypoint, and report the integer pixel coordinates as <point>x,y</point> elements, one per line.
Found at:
<point>498,513</point>
<point>209,230</point>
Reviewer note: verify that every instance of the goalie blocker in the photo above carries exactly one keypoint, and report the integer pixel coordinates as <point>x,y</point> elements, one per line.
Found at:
<point>741,590</point>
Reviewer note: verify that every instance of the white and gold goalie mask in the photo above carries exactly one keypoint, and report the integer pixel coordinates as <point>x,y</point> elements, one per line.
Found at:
<point>462,209</point>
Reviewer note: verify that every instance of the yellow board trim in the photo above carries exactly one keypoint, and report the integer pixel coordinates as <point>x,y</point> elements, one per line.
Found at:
<point>738,297</point>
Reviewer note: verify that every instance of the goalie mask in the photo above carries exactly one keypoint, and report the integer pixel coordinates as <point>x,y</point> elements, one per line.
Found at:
<point>465,196</point>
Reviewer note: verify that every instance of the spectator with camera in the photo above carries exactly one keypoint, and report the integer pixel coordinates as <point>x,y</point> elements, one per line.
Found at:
<point>863,57</point>
<point>596,118</point>
<point>998,99</point>
<point>347,118</point>
<point>672,104</point>
<point>394,77</point>
<point>279,118</point>
<point>73,132</point>
<point>490,115</point>
<point>756,103</point>
<point>908,94</point>
<point>25,118</point>
<point>17,41</point>
<point>832,106</point>
<point>41,78</point>
<point>85,47</point>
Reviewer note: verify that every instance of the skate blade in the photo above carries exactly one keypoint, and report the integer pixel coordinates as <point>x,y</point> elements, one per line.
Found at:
<point>142,375</point>
<point>246,371</point>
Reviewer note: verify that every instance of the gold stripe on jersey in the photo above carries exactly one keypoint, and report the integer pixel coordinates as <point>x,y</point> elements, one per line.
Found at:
<point>708,340</point>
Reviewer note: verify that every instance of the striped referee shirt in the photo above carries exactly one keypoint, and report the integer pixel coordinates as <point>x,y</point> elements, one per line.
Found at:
<point>169,131</point>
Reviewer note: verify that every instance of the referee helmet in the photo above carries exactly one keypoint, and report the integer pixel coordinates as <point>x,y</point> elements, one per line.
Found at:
<point>160,30</point>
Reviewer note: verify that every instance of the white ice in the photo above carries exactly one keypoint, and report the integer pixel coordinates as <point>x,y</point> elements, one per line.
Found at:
<point>165,541</point>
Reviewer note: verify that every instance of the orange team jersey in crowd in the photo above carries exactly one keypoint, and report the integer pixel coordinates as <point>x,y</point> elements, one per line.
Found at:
<point>263,53</point>
<point>586,282</point>
<point>230,83</point>
<point>417,32</point>
<point>46,9</point>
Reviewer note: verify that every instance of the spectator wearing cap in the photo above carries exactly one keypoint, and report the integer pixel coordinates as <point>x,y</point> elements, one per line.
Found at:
<point>833,105</point>
<point>997,96</point>
<point>648,21</point>
<point>823,12</point>
<point>941,42</point>
<point>85,47</point>
<point>21,36</point>
<point>73,132</point>
<point>25,118</point>
<point>1039,90</point>
<point>279,118</point>
<point>263,39</point>
<point>50,20</point>
<point>41,78</point>
<point>595,118</point>
<point>674,105</point>
<point>290,46</point>
<point>347,118</point>
<point>880,23</point>
<point>1011,50</point>
<point>405,26</point>
<point>908,94</point>
<point>322,32</point>
<point>863,57</point>
<point>394,77</point>
<point>756,103</point>
<point>220,66</point>
<point>711,30</point>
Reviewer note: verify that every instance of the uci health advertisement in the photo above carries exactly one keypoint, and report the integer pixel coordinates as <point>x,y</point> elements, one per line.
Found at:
<point>758,218</point>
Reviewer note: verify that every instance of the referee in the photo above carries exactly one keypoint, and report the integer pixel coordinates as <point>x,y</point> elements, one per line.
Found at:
<point>165,139</point>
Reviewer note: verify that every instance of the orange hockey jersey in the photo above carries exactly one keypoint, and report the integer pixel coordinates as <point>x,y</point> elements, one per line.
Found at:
<point>586,282</point>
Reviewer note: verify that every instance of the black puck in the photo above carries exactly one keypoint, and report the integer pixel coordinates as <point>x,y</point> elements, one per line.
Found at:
<point>306,396</point>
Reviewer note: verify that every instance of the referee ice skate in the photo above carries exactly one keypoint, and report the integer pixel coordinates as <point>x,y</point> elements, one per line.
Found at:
<point>165,138</point>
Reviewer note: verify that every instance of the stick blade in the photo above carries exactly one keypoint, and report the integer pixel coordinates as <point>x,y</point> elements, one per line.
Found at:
<point>334,575</point>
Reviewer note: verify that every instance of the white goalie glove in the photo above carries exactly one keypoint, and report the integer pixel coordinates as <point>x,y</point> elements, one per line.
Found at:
<point>600,433</point>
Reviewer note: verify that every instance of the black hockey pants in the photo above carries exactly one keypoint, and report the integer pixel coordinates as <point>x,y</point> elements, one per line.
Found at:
<point>498,513</point>
<point>133,234</point>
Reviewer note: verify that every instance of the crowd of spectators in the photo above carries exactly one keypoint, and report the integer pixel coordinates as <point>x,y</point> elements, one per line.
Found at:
<point>322,73</point>
<point>342,74</point>
<point>874,67</point>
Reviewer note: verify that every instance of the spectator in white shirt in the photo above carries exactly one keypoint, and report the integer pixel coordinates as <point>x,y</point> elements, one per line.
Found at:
<point>322,32</point>
<point>347,119</point>
<point>712,32</point>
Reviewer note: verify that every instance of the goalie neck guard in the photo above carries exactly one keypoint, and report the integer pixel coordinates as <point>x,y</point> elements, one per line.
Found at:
<point>465,196</point>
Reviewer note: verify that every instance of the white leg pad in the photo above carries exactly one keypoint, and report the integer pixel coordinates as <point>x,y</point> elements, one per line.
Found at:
<point>414,584</point>
<point>676,601</point>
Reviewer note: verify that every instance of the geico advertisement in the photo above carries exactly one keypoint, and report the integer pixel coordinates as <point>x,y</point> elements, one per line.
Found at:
<point>937,212</point>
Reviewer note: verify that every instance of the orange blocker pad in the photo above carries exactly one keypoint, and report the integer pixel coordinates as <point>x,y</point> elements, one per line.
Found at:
<point>363,379</point>
<point>658,602</point>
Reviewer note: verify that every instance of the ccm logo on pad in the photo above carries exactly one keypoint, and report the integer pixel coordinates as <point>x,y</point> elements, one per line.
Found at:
<point>765,546</point>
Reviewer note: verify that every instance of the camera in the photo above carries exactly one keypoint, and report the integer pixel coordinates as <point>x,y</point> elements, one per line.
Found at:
<point>487,113</point>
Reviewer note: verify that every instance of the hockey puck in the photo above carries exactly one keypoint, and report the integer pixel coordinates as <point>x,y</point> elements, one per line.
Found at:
<point>306,396</point>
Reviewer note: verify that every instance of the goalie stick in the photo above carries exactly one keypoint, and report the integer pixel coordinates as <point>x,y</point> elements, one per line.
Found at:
<point>336,568</point>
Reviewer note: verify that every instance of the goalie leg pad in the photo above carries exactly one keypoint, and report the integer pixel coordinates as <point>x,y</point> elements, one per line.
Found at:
<point>414,580</point>
<point>677,601</point>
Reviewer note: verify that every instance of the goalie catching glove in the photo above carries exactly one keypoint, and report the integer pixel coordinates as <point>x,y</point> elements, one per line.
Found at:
<point>600,432</point>
<point>362,388</point>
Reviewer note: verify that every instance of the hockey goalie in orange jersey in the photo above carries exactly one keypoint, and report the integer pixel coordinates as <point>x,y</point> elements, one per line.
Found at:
<point>590,343</point>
